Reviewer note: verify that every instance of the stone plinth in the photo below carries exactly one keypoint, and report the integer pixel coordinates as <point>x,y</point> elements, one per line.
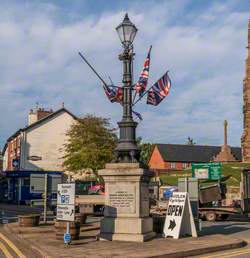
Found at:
<point>126,214</point>
<point>225,155</point>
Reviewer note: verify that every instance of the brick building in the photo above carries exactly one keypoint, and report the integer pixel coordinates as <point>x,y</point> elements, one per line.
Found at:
<point>178,156</point>
<point>39,146</point>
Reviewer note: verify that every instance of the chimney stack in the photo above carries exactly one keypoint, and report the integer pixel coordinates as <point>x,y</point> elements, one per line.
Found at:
<point>37,115</point>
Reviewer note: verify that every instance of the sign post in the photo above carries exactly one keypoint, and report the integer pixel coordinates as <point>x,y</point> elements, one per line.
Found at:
<point>179,218</point>
<point>66,206</point>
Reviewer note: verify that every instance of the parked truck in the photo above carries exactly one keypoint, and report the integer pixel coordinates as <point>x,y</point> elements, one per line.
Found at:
<point>212,205</point>
<point>211,200</point>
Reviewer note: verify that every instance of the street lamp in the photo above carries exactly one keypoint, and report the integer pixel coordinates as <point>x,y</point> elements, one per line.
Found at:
<point>126,31</point>
<point>127,150</point>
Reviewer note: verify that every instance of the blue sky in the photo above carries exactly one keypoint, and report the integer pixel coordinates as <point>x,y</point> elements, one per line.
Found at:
<point>202,43</point>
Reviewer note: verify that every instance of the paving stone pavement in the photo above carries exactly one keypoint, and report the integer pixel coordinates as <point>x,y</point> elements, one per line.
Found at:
<point>89,246</point>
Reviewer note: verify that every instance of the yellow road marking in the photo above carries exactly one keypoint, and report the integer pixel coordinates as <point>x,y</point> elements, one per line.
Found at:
<point>5,251</point>
<point>12,246</point>
<point>225,255</point>
<point>233,254</point>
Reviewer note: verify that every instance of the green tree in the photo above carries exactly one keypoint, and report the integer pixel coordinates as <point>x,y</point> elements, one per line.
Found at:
<point>91,144</point>
<point>146,149</point>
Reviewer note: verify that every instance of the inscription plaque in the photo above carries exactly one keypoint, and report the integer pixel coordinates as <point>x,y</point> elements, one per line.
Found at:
<point>121,199</point>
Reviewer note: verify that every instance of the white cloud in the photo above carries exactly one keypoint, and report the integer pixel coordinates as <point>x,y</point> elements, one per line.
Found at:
<point>203,51</point>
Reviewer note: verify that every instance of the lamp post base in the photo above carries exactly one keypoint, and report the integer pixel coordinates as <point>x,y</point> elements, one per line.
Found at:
<point>127,150</point>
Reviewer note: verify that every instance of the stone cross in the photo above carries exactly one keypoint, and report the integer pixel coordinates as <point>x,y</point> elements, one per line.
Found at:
<point>225,132</point>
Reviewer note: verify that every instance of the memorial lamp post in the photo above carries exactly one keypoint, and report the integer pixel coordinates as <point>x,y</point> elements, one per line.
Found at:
<point>127,150</point>
<point>126,213</point>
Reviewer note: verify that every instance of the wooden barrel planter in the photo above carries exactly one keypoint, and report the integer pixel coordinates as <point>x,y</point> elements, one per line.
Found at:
<point>74,229</point>
<point>31,220</point>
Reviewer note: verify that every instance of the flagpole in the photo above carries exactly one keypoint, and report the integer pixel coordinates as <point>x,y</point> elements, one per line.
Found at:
<point>134,96</point>
<point>144,94</point>
<point>135,91</point>
<point>92,68</point>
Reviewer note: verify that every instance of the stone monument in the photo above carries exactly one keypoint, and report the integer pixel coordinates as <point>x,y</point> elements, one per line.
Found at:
<point>245,140</point>
<point>225,155</point>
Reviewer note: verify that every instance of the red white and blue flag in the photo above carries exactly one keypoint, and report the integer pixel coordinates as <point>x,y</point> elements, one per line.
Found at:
<point>159,90</point>
<point>113,93</point>
<point>141,85</point>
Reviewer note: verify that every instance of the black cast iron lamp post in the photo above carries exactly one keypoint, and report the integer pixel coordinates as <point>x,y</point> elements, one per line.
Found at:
<point>127,150</point>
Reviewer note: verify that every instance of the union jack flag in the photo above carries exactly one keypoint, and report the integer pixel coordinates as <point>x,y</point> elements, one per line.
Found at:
<point>113,93</point>
<point>159,90</point>
<point>141,85</point>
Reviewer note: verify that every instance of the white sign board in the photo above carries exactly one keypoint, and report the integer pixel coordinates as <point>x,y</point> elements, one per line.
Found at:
<point>201,173</point>
<point>65,212</point>
<point>179,218</point>
<point>66,202</point>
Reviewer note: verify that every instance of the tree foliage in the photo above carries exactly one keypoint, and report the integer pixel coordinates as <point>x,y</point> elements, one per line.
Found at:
<point>146,149</point>
<point>91,144</point>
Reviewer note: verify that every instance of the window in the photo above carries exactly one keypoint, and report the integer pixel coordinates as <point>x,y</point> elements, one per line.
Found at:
<point>184,165</point>
<point>172,165</point>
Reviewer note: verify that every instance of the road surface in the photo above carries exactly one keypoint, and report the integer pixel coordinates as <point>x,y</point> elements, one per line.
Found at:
<point>236,227</point>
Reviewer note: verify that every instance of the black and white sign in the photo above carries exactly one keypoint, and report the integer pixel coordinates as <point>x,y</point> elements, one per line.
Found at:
<point>179,218</point>
<point>65,212</point>
<point>66,202</point>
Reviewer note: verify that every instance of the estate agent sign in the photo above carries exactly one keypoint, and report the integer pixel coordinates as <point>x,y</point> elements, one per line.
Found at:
<point>207,170</point>
<point>179,218</point>
<point>66,202</point>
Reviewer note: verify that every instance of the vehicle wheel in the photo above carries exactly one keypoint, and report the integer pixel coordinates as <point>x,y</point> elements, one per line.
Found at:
<point>224,216</point>
<point>210,216</point>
